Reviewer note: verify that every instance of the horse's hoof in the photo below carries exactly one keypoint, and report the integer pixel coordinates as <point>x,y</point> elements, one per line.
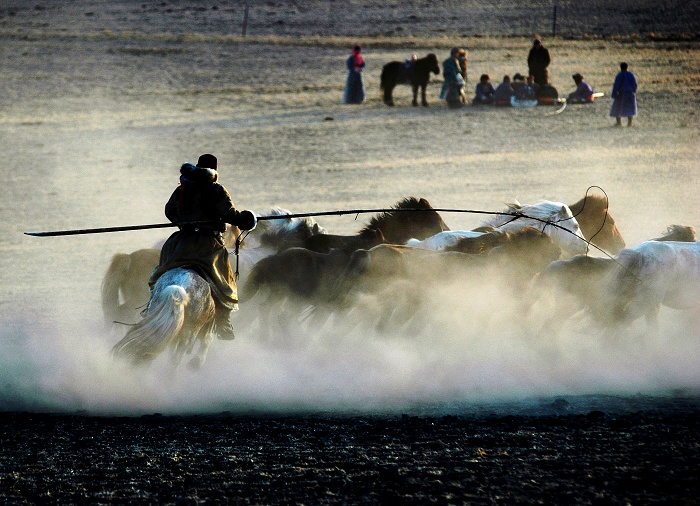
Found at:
<point>195,364</point>
<point>390,104</point>
<point>415,104</point>
<point>425,104</point>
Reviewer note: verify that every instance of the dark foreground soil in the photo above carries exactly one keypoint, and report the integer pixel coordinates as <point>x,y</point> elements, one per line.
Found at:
<point>651,456</point>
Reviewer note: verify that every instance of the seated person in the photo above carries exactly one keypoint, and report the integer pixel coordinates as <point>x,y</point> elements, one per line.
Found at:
<point>583,93</point>
<point>532,84</point>
<point>547,95</point>
<point>524,92</point>
<point>503,93</point>
<point>518,82</point>
<point>408,62</point>
<point>484,91</point>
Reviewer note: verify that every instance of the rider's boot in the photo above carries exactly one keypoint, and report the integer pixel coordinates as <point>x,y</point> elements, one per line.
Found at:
<point>224,329</point>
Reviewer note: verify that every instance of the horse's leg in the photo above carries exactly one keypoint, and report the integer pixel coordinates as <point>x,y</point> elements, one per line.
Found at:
<point>196,363</point>
<point>652,318</point>
<point>424,99</point>
<point>415,96</point>
<point>388,98</point>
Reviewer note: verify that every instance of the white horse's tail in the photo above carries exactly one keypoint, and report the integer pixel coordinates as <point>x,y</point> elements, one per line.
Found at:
<point>150,337</point>
<point>113,280</point>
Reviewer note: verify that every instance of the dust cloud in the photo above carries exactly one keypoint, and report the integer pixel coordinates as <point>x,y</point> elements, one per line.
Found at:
<point>459,343</point>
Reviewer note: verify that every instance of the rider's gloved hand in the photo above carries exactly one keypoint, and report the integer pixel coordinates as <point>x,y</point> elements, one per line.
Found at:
<point>247,220</point>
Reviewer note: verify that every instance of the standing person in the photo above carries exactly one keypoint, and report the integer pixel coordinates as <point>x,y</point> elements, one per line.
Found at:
<point>462,58</point>
<point>624,93</point>
<point>199,197</point>
<point>354,86</point>
<point>454,82</point>
<point>583,93</point>
<point>537,61</point>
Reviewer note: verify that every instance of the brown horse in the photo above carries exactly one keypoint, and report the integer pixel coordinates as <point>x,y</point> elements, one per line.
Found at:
<point>596,224</point>
<point>388,227</point>
<point>286,284</point>
<point>401,280</point>
<point>679,233</point>
<point>417,75</point>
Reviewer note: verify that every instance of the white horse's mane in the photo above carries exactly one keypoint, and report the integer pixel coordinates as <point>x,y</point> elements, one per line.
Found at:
<point>289,224</point>
<point>542,210</point>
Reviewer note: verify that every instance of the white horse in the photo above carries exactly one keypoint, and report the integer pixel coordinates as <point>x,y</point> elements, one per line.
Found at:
<point>273,236</point>
<point>650,275</point>
<point>443,240</point>
<point>180,313</point>
<point>570,240</point>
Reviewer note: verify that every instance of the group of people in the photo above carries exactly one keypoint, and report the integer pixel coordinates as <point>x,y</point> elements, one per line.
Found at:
<point>525,91</point>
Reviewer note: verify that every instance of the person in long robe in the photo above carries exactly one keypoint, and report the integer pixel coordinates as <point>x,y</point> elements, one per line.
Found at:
<point>200,246</point>
<point>624,95</point>
<point>538,59</point>
<point>354,85</point>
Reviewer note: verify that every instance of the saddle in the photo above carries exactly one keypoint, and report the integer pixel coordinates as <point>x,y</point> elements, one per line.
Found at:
<point>405,74</point>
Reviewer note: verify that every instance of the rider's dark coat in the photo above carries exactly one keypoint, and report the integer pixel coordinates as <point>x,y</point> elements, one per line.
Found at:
<point>200,198</point>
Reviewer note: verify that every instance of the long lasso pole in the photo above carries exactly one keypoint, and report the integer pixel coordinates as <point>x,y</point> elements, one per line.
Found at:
<point>103,230</point>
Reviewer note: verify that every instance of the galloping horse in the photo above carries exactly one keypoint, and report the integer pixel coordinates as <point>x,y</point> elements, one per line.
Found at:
<point>575,284</point>
<point>418,75</point>
<point>180,313</point>
<point>291,281</point>
<point>537,215</point>
<point>125,284</point>
<point>596,224</point>
<point>400,280</point>
<point>390,227</point>
<point>680,233</point>
<point>652,274</point>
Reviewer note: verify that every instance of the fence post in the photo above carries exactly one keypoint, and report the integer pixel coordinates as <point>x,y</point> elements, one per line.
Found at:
<point>245,18</point>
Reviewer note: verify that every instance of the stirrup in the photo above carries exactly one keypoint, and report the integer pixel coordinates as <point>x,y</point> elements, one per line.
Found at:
<point>224,331</point>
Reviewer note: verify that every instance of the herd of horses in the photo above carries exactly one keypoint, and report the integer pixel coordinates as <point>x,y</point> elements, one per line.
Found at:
<point>385,275</point>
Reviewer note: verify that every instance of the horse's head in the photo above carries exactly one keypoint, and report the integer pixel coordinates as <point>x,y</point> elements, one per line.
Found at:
<point>433,63</point>
<point>399,227</point>
<point>286,232</point>
<point>569,235</point>
<point>596,224</point>
<point>680,233</point>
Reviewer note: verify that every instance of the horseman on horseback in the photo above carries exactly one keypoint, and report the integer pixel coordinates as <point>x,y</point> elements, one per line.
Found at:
<point>200,247</point>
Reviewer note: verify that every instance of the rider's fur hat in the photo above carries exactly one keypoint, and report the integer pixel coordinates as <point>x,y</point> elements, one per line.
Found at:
<point>208,161</point>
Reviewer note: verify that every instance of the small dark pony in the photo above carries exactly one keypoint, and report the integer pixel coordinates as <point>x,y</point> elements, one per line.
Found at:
<point>396,72</point>
<point>388,227</point>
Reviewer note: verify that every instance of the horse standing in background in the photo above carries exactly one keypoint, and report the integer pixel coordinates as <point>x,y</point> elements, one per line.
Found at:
<point>417,75</point>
